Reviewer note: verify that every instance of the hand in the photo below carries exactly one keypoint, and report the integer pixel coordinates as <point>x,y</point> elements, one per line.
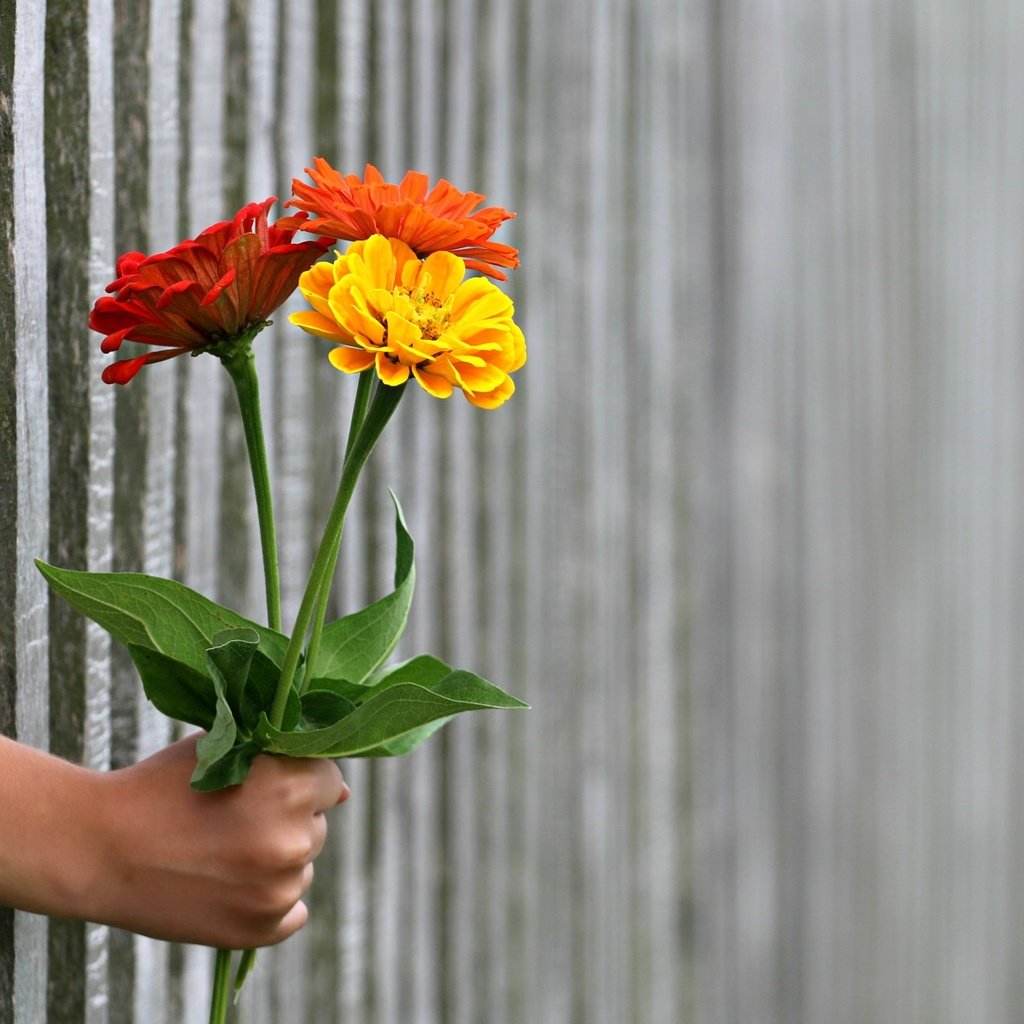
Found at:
<point>139,849</point>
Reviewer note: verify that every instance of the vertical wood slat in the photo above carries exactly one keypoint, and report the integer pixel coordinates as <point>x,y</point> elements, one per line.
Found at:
<point>420,481</point>
<point>132,193</point>
<point>460,987</point>
<point>389,872</point>
<point>31,480</point>
<point>536,1001</point>
<point>500,627</point>
<point>97,727</point>
<point>10,467</point>
<point>660,957</point>
<point>66,124</point>
<point>352,129</point>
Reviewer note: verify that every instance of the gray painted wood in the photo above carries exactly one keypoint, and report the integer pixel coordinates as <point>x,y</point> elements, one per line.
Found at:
<point>746,538</point>
<point>32,463</point>
<point>97,725</point>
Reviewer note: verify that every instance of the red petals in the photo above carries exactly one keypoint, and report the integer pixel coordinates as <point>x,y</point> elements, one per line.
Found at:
<point>215,291</point>
<point>122,371</point>
<point>215,287</point>
<point>167,295</point>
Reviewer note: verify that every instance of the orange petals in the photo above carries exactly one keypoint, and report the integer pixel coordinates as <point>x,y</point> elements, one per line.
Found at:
<point>442,219</point>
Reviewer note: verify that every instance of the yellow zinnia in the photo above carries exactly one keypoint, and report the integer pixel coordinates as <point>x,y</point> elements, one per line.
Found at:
<point>386,308</point>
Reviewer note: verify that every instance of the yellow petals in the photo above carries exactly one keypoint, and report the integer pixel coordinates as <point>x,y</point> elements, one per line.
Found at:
<point>404,316</point>
<point>432,383</point>
<point>390,370</point>
<point>318,324</point>
<point>380,262</point>
<point>350,360</point>
<point>492,399</point>
<point>442,272</point>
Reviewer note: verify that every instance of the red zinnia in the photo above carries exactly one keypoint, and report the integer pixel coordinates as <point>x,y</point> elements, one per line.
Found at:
<point>440,220</point>
<point>214,288</point>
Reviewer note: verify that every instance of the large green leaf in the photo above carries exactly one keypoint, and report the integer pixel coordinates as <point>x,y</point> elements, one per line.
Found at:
<point>176,689</point>
<point>425,670</point>
<point>407,742</point>
<point>228,662</point>
<point>155,614</point>
<point>352,647</point>
<point>260,688</point>
<point>388,716</point>
<point>321,708</point>
<point>225,752</point>
<point>228,770</point>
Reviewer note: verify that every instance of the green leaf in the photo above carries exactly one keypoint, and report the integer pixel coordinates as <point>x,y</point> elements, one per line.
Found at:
<point>228,662</point>
<point>424,669</point>
<point>224,756</point>
<point>352,647</point>
<point>230,770</point>
<point>259,691</point>
<point>176,689</point>
<point>155,614</point>
<point>389,715</point>
<point>217,743</point>
<point>324,707</point>
<point>409,742</point>
<point>354,692</point>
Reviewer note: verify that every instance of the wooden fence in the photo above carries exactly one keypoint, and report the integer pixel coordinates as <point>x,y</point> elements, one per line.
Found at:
<point>746,538</point>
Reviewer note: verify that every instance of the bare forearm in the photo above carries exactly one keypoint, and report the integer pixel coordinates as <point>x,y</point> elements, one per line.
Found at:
<point>139,849</point>
<point>50,846</point>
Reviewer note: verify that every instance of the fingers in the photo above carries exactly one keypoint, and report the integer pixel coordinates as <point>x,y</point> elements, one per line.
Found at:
<point>330,789</point>
<point>295,919</point>
<point>309,784</point>
<point>318,834</point>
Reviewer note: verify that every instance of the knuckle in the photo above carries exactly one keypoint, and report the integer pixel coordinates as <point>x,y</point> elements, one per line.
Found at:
<point>286,850</point>
<point>275,901</point>
<point>295,852</point>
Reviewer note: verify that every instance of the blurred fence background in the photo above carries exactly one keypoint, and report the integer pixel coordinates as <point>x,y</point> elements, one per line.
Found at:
<point>746,537</point>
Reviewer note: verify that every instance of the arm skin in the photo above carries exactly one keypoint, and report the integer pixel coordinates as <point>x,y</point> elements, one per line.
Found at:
<point>139,849</point>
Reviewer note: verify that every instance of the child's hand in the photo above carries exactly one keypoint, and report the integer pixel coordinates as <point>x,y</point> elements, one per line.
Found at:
<point>139,849</point>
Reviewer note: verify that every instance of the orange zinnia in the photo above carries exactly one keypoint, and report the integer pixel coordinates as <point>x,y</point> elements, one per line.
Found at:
<point>438,220</point>
<point>215,288</point>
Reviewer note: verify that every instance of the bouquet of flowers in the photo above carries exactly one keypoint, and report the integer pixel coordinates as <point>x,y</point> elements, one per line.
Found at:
<point>397,306</point>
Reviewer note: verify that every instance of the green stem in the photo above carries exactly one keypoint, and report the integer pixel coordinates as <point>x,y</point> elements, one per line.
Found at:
<point>319,615</point>
<point>221,987</point>
<point>359,407</point>
<point>385,401</point>
<point>362,400</point>
<point>241,365</point>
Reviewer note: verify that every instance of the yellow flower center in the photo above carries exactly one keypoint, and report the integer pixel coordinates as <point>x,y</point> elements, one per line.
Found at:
<point>422,307</point>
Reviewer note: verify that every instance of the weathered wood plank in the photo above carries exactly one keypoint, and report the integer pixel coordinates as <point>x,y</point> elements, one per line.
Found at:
<point>67,142</point>
<point>32,459</point>
<point>10,456</point>
<point>354,109</point>
<point>97,727</point>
